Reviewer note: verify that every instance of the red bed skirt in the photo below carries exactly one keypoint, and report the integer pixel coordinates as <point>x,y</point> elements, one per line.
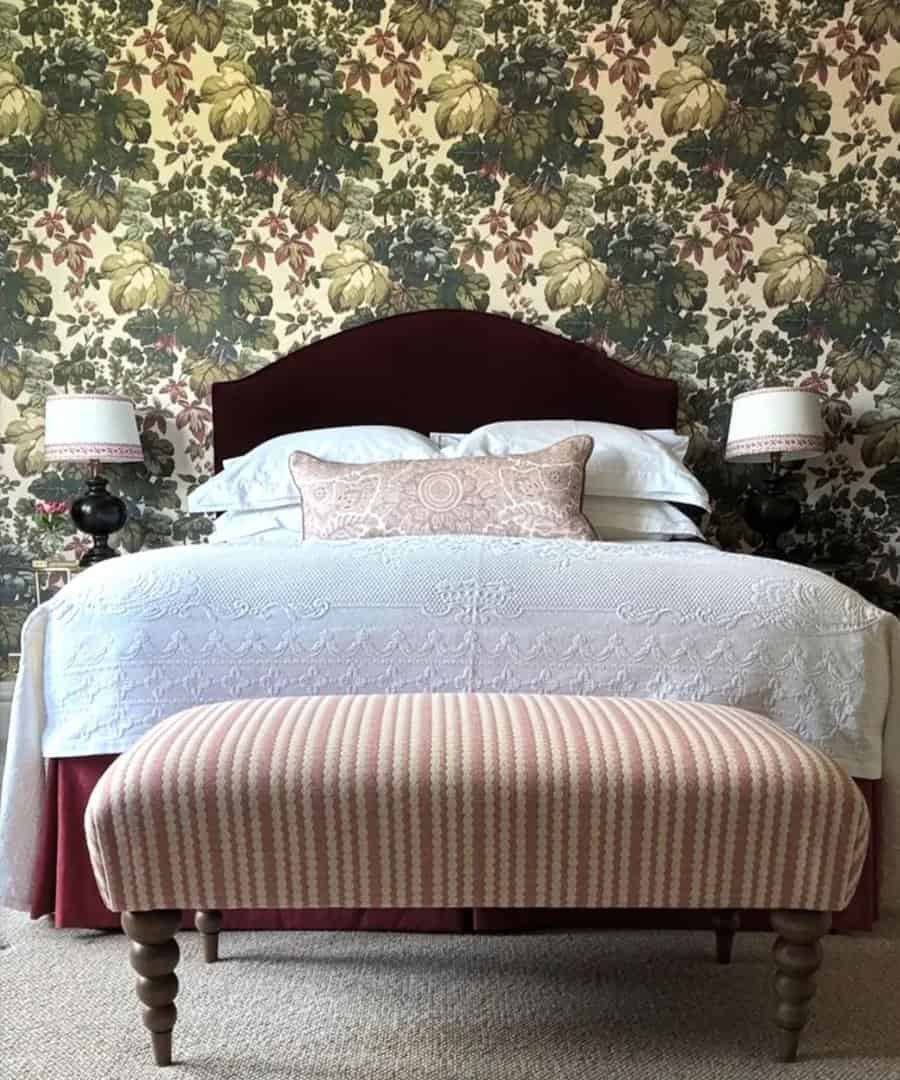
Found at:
<point>64,882</point>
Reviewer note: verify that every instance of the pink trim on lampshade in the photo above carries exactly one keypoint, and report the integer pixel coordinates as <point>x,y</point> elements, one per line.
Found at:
<point>778,390</point>
<point>93,397</point>
<point>775,444</point>
<point>92,452</point>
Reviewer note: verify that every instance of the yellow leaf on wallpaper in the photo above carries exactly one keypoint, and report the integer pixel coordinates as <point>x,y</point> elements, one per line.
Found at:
<point>26,435</point>
<point>21,108</point>
<point>693,98</point>
<point>357,280</point>
<point>892,85</point>
<point>573,277</point>
<point>135,281</point>
<point>237,104</point>
<point>792,271</point>
<point>465,103</point>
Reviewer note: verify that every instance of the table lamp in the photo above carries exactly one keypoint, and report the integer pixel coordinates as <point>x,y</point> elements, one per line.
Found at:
<point>774,425</point>
<point>93,428</point>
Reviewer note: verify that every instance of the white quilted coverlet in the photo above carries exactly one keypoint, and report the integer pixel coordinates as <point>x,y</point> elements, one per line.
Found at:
<point>139,638</point>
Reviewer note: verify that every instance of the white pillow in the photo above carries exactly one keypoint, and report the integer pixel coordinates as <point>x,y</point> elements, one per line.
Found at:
<point>236,524</point>
<point>261,479</point>
<point>267,536</point>
<point>626,463</point>
<point>675,443</point>
<point>637,519</point>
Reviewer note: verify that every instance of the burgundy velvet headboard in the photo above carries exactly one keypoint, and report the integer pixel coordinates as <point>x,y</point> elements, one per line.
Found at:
<point>435,371</point>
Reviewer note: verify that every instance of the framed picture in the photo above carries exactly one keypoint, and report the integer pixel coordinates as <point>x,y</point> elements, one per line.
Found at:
<point>50,577</point>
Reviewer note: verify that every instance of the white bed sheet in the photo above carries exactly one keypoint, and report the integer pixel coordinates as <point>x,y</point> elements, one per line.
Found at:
<point>136,639</point>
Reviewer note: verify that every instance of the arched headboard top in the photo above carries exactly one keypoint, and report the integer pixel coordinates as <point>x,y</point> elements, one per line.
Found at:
<point>435,371</point>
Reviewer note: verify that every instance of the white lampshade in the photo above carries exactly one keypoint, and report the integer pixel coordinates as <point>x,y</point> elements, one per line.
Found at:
<point>775,420</point>
<point>91,427</point>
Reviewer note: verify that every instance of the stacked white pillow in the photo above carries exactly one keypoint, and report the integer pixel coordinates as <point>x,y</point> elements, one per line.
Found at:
<point>631,479</point>
<point>261,479</point>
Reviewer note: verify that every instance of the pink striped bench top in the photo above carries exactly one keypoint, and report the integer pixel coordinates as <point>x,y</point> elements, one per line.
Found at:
<point>474,800</point>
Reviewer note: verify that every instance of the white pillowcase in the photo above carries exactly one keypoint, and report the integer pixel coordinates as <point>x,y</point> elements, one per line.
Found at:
<point>613,519</point>
<point>637,519</point>
<point>676,444</point>
<point>626,463</point>
<point>261,479</point>
<point>239,524</point>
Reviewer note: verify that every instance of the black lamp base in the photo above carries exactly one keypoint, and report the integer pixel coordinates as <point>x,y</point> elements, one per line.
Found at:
<point>771,512</point>
<point>98,513</point>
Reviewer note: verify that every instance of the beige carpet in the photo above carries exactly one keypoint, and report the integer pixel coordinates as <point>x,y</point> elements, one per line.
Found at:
<point>589,1006</point>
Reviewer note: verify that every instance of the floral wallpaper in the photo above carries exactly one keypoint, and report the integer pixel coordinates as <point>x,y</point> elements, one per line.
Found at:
<point>707,189</point>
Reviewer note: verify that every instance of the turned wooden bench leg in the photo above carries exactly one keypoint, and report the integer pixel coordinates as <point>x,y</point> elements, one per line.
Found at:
<point>798,954</point>
<point>726,924</point>
<point>154,956</point>
<point>209,923</point>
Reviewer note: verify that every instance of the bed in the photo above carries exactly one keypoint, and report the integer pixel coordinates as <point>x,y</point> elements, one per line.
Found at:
<point>140,637</point>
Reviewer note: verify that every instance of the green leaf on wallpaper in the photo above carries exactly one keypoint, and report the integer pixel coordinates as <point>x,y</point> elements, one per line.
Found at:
<point>849,305</point>
<point>687,285</point>
<point>748,131</point>
<point>808,107</point>
<point>529,205</point>
<point>21,108</point>
<point>881,445</point>
<point>40,336</point>
<point>273,17</point>
<point>464,287</point>
<point>16,154</point>
<point>464,101</point>
<point>196,312</point>
<point>31,292</point>
<point>86,208</point>
<point>581,113</point>
<point>133,162</point>
<point>852,367</point>
<point>353,116</point>
<point>203,371</point>
<point>12,377</point>
<point>649,19</point>
<point>159,454</point>
<point>9,16</point>
<point>302,135</point>
<point>357,280</point>
<point>310,208</point>
<point>792,271</point>
<point>73,140</point>
<point>892,85</point>
<point>419,21</point>
<point>135,282</point>
<point>251,290</point>
<point>127,116</point>
<point>751,200</point>
<point>26,434</point>
<point>630,305</point>
<point>188,22</point>
<point>73,372</point>
<point>693,97</point>
<point>237,104</point>
<point>524,136</point>
<point>40,18</point>
<point>878,18</point>
<point>573,276</point>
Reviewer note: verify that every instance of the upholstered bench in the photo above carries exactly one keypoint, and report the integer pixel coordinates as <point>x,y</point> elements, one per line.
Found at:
<point>473,800</point>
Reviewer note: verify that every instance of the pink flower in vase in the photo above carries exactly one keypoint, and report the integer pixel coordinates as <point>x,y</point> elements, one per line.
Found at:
<point>51,515</point>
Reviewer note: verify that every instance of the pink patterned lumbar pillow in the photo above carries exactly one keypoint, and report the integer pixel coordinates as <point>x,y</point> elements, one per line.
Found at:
<point>536,494</point>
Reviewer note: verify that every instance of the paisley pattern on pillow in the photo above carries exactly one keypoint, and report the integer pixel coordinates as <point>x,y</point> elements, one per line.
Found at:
<point>537,494</point>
